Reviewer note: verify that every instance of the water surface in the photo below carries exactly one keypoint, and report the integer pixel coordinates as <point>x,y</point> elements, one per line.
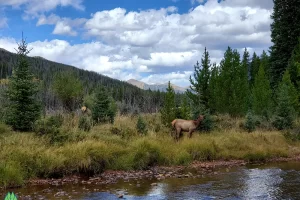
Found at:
<point>271,181</point>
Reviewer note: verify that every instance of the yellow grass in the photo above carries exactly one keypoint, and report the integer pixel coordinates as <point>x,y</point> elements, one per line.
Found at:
<point>26,155</point>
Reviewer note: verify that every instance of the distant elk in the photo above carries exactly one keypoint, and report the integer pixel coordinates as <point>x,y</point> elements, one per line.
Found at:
<point>186,125</point>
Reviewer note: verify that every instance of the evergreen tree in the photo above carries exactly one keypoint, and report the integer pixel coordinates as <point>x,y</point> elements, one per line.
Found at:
<point>101,106</point>
<point>199,93</point>
<point>112,111</point>
<point>185,108</point>
<point>23,106</point>
<point>231,80</point>
<point>242,84</point>
<point>168,109</point>
<point>254,66</point>
<point>285,30</point>
<point>292,92</point>
<point>214,90</point>
<point>294,66</point>
<point>265,61</point>
<point>141,126</point>
<point>262,94</point>
<point>285,112</point>
<point>68,88</point>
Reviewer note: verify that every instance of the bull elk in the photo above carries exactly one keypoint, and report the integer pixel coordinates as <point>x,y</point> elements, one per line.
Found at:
<point>186,125</point>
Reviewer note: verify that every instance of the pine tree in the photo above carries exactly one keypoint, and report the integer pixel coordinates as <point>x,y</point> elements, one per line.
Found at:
<point>141,126</point>
<point>294,66</point>
<point>285,30</point>
<point>100,109</point>
<point>199,92</point>
<point>262,94</point>
<point>285,112</point>
<point>214,90</point>
<point>292,92</point>
<point>112,111</point>
<point>242,84</point>
<point>23,106</point>
<point>168,109</point>
<point>254,66</point>
<point>185,109</point>
<point>231,80</point>
<point>265,61</point>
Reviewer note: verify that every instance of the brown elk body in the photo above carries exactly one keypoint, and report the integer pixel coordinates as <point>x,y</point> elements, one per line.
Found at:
<point>186,125</point>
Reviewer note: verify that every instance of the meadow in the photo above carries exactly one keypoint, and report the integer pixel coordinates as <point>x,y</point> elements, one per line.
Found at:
<point>119,146</point>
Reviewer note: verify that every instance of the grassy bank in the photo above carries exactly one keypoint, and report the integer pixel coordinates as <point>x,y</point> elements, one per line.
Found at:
<point>26,155</point>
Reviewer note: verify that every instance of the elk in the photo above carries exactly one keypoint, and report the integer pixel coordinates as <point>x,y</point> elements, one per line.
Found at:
<point>186,125</point>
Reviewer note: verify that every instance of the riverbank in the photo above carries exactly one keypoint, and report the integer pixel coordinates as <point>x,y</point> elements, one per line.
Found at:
<point>112,151</point>
<point>196,169</point>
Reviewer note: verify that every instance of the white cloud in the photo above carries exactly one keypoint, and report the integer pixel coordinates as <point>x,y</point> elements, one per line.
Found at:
<point>33,7</point>
<point>161,43</point>
<point>63,26</point>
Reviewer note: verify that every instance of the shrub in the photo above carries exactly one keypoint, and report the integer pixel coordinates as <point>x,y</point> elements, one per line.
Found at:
<point>141,126</point>
<point>4,128</point>
<point>124,132</point>
<point>11,174</point>
<point>49,125</point>
<point>115,131</point>
<point>146,154</point>
<point>85,123</point>
<point>250,122</point>
<point>293,134</point>
<point>207,124</point>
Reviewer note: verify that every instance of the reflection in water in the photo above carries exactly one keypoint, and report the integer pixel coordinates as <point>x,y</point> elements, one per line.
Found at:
<point>277,181</point>
<point>262,183</point>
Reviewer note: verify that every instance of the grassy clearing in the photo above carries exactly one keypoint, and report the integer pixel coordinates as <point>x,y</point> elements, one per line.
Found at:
<point>26,155</point>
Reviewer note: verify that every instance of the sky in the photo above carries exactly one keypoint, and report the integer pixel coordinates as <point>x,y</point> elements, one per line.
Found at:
<point>154,41</point>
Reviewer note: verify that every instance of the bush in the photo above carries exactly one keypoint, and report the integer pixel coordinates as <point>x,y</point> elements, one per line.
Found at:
<point>207,124</point>
<point>282,123</point>
<point>48,125</point>
<point>146,154</point>
<point>11,174</point>
<point>4,128</point>
<point>85,123</point>
<point>250,122</point>
<point>124,132</point>
<point>141,126</point>
<point>115,131</point>
<point>293,134</point>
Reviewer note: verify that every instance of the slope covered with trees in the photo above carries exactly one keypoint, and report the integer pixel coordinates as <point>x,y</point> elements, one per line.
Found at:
<point>54,90</point>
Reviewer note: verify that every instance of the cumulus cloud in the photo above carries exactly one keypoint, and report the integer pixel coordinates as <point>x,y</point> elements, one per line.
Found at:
<point>63,26</point>
<point>33,7</point>
<point>157,45</point>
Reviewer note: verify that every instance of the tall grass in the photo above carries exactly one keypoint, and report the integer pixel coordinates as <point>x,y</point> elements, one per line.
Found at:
<point>27,155</point>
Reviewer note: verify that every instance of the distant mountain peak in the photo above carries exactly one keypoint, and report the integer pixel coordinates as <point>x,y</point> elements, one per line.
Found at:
<point>154,87</point>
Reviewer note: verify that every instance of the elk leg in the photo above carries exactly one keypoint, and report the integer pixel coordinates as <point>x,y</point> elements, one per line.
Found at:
<point>190,133</point>
<point>178,132</point>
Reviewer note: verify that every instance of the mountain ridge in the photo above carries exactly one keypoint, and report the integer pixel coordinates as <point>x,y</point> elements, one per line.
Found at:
<point>154,87</point>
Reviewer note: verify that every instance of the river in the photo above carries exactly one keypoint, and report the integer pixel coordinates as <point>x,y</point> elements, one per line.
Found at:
<point>268,181</point>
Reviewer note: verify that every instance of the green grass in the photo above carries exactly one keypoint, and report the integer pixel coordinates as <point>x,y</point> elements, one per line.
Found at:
<point>27,155</point>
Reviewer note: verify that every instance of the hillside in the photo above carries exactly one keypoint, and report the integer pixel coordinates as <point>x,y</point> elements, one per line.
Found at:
<point>154,87</point>
<point>128,96</point>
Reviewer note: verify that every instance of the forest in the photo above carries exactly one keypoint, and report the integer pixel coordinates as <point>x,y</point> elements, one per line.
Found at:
<point>130,98</point>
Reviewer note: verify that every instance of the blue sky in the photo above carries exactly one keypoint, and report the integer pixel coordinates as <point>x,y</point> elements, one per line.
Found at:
<point>152,41</point>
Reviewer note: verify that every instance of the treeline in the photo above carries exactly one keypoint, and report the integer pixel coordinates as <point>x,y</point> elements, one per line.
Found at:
<point>264,85</point>
<point>129,98</point>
